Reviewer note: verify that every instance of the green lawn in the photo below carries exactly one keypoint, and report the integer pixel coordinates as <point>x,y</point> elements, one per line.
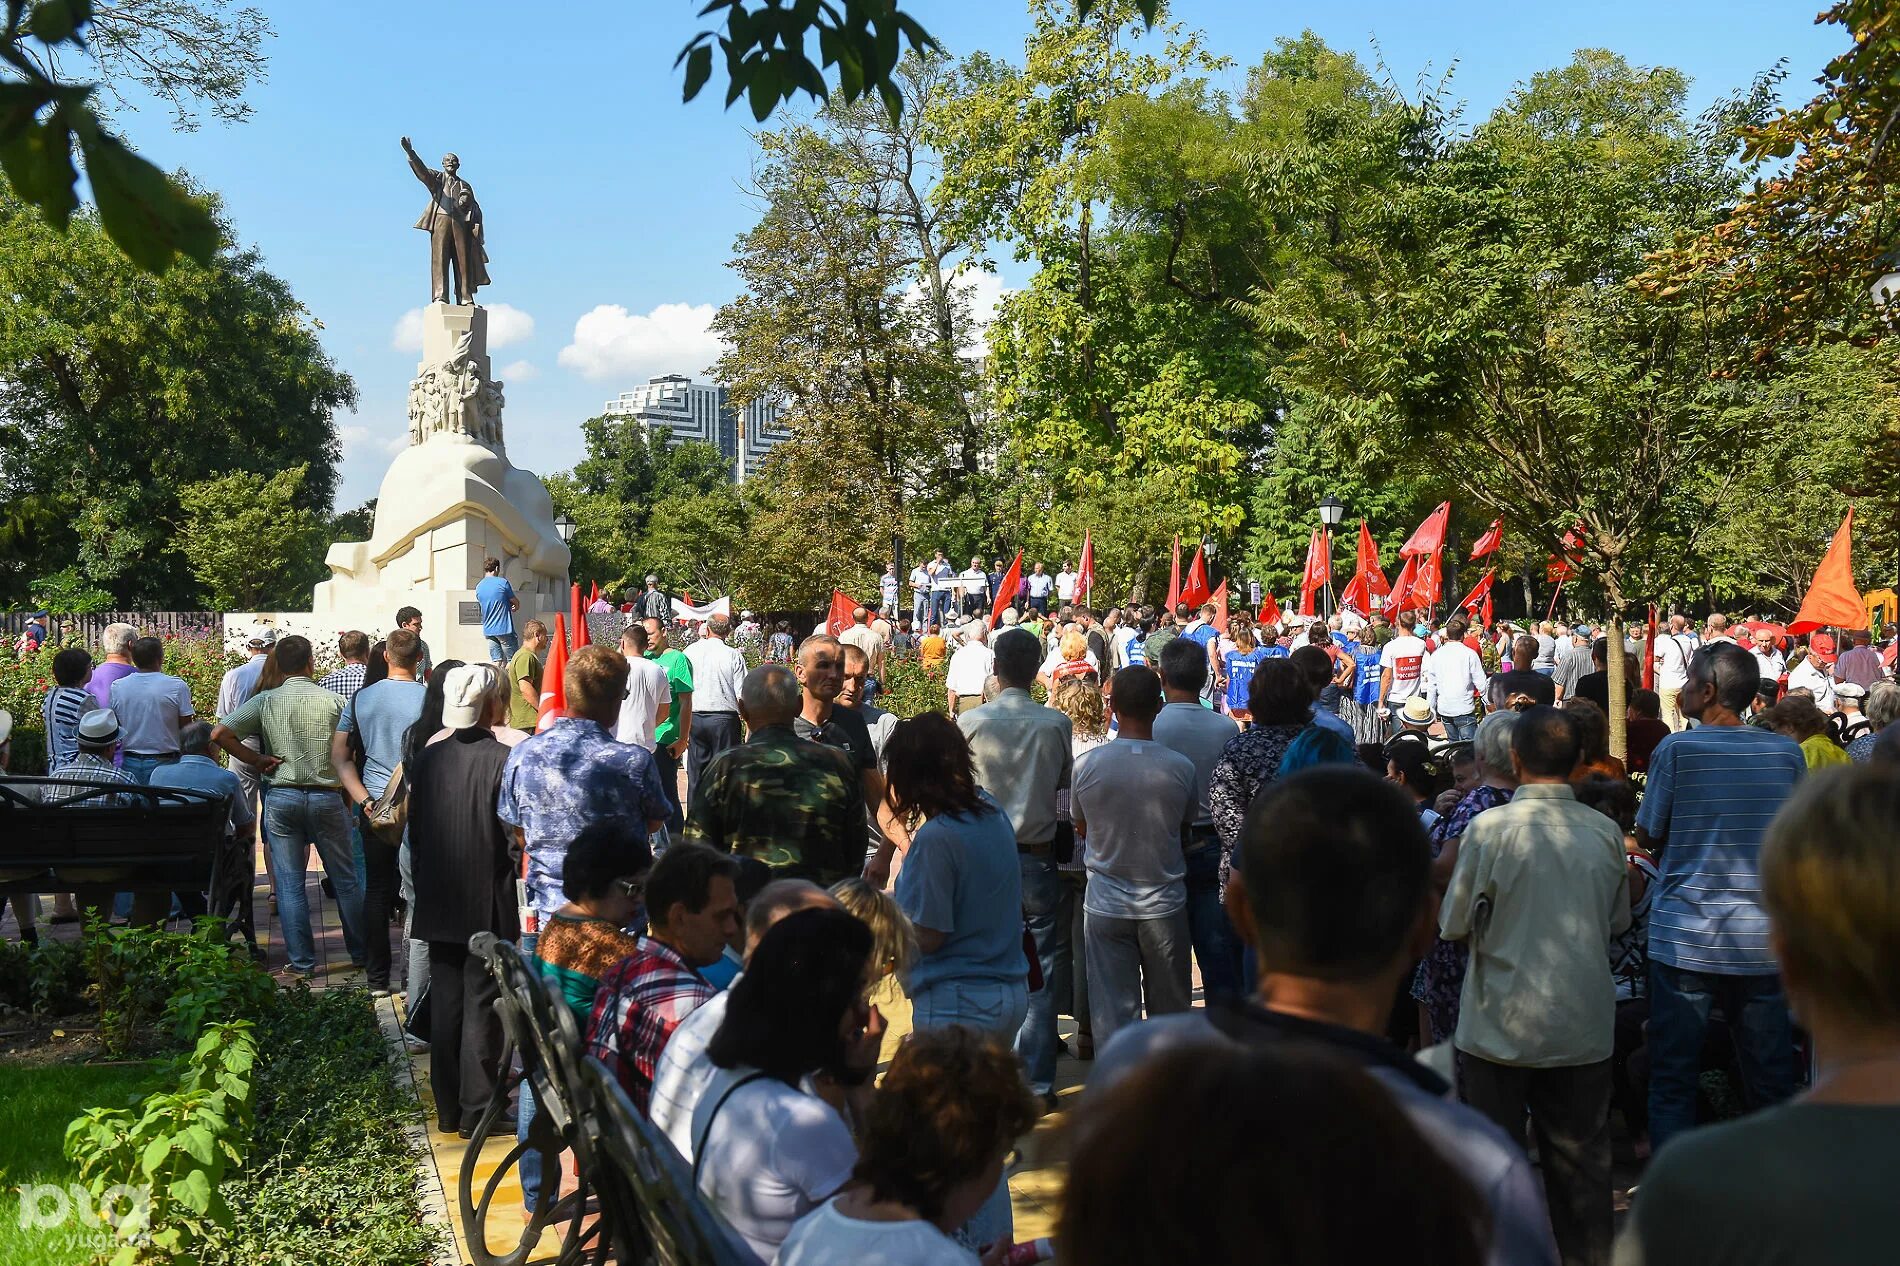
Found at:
<point>36,1104</point>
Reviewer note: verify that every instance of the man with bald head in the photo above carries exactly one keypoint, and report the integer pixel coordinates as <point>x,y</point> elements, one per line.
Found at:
<point>796,805</point>
<point>684,1071</point>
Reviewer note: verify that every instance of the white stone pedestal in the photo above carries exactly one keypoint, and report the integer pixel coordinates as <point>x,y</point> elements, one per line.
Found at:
<point>449,501</point>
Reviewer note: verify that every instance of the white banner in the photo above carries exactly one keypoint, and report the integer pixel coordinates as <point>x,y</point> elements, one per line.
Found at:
<point>718,606</point>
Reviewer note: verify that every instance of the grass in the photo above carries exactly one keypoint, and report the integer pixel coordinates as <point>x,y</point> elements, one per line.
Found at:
<point>36,1105</point>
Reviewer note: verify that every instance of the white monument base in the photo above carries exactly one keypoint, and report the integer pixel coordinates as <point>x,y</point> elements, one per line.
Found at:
<point>449,501</point>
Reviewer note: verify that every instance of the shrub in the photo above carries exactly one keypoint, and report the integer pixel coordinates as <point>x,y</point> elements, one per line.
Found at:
<point>178,981</point>
<point>199,659</point>
<point>44,979</point>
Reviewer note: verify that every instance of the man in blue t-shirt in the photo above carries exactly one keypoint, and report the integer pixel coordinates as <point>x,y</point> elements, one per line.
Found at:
<point>1712,792</point>
<point>497,599</point>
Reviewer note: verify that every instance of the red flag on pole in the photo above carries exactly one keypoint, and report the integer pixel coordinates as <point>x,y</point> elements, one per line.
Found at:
<point>1428,585</point>
<point>1488,621</point>
<point>1401,599</point>
<point>1430,537</point>
<point>1014,577</point>
<point>593,594</point>
<point>1174,576</point>
<point>1318,569</point>
<point>1368,579</point>
<point>1832,598</point>
<point>843,613</point>
<point>1220,607</point>
<point>1479,592</point>
<point>1195,591</point>
<point>1488,543</point>
<point>577,621</point>
<point>1269,610</point>
<point>1084,575</point>
<point>553,702</point>
<point>1649,651</point>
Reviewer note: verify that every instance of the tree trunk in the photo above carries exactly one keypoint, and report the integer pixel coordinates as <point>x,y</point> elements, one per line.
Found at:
<point>1618,663</point>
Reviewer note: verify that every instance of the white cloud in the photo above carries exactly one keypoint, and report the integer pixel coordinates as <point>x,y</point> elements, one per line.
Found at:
<point>360,439</point>
<point>613,343</point>
<point>519,371</point>
<point>984,291</point>
<point>506,324</point>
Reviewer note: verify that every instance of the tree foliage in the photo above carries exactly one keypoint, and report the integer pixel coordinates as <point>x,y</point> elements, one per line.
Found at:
<point>119,388</point>
<point>252,541</point>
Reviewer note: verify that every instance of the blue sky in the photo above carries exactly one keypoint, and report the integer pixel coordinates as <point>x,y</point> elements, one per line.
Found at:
<point>612,207</point>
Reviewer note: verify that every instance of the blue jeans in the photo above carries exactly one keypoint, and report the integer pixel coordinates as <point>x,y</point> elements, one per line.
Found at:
<point>1048,910</point>
<point>299,817</point>
<point>139,768</point>
<point>1216,948</point>
<point>990,1006</point>
<point>502,647</point>
<point>1679,1005</point>
<point>1460,729</point>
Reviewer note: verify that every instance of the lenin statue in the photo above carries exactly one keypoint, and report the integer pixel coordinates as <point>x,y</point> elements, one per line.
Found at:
<point>453,222</point>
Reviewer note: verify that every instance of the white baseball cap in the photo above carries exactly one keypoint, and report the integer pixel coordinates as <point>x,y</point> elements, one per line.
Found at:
<point>465,696</point>
<point>261,635</point>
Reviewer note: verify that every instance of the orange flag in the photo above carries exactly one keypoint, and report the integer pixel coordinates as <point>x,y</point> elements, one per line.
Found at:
<point>553,688</point>
<point>1832,598</point>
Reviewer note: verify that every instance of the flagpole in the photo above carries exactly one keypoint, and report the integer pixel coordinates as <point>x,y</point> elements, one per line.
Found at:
<point>1553,599</point>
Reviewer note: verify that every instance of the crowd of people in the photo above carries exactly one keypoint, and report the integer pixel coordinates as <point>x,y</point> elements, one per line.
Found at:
<point>1438,927</point>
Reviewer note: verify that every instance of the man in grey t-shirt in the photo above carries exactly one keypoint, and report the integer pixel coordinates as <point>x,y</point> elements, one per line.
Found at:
<point>1131,800</point>
<point>1201,735</point>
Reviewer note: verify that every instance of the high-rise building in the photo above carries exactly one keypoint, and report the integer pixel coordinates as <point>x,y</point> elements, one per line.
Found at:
<point>703,412</point>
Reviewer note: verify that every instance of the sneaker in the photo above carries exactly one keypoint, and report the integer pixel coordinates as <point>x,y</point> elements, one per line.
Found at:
<point>291,977</point>
<point>379,991</point>
<point>414,1045</point>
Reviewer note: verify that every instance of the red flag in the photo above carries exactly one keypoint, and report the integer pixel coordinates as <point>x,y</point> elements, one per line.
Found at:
<point>686,596</point>
<point>1401,599</point>
<point>1430,537</point>
<point>1488,621</point>
<point>1832,598</point>
<point>1269,610</point>
<point>1014,577</point>
<point>553,703</point>
<point>1563,565</point>
<point>1488,543</point>
<point>1649,651</point>
<point>1195,591</point>
<point>1174,576</point>
<point>1479,592</point>
<point>1428,584</point>
<point>1318,569</point>
<point>1556,570</point>
<point>577,620</point>
<point>1084,575</point>
<point>1368,579</point>
<point>1220,607</point>
<point>843,612</point>
<point>593,594</point>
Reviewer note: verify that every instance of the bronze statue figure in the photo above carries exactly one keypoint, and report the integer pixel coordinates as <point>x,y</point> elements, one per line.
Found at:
<point>453,222</point>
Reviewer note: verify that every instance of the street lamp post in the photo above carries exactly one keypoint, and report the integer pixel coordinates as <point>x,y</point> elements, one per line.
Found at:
<point>1331,512</point>
<point>564,528</point>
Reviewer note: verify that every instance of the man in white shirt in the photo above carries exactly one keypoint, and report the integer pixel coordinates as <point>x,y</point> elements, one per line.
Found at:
<point>1717,630</point>
<point>152,707</point>
<point>718,672</point>
<point>1131,799</point>
<point>1201,735</point>
<point>1402,667</point>
<point>969,669</point>
<point>1065,584</point>
<point>1040,586</point>
<point>919,596</point>
<point>887,591</point>
<point>1767,657</point>
<point>649,697</point>
<point>1671,655</point>
<point>1456,677</point>
<point>976,588</point>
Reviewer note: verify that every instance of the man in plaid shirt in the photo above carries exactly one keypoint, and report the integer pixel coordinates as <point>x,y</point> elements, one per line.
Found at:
<point>694,912</point>
<point>347,679</point>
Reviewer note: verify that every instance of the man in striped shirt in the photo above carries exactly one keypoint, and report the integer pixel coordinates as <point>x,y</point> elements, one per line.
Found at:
<point>1712,792</point>
<point>64,704</point>
<point>345,680</point>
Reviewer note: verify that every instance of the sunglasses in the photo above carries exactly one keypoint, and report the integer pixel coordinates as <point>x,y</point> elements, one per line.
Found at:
<point>632,887</point>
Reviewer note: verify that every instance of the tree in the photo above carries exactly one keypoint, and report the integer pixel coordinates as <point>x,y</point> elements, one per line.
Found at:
<point>1486,320</point>
<point>118,388</point>
<point>252,541</point>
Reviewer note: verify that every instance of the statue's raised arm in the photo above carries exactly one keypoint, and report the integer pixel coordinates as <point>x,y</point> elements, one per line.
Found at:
<point>429,178</point>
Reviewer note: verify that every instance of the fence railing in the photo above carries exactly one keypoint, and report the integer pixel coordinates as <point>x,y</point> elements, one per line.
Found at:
<point>89,627</point>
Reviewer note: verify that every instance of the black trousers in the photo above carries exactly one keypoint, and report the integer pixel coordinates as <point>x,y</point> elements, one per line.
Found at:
<point>464,1035</point>
<point>713,733</point>
<point>670,779</point>
<point>381,880</point>
<point>1570,1117</point>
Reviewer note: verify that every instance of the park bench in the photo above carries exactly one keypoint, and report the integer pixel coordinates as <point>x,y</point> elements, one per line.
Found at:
<point>632,1198</point>
<point>71,834</point>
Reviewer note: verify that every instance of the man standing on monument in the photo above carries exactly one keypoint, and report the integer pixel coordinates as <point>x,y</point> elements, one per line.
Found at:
<point>453,221</point>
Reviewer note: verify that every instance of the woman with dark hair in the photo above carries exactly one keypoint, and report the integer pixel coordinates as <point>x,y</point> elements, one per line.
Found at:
<point>376,668</point>
<point>1409,762</point>
<point>1280,700</point>
<point>935,1137</point>
<point>1593,729</point>
<point>795,1055</point>
<point>962,889</point>
<point>414,739</point>
<point>1231,1154</point>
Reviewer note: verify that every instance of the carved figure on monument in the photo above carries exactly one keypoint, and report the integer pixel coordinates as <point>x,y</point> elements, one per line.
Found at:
<point>453,221</point>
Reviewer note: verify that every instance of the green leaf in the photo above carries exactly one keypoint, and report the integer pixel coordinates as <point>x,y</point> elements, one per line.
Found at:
<point>56,21</point>
<point>19,103</point>
<point>39,164</point>
<point>193,1191</point>
<point>762,92</point>
<point>148,214</point>
<point>698,70</point>
<point>199,1142</point>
